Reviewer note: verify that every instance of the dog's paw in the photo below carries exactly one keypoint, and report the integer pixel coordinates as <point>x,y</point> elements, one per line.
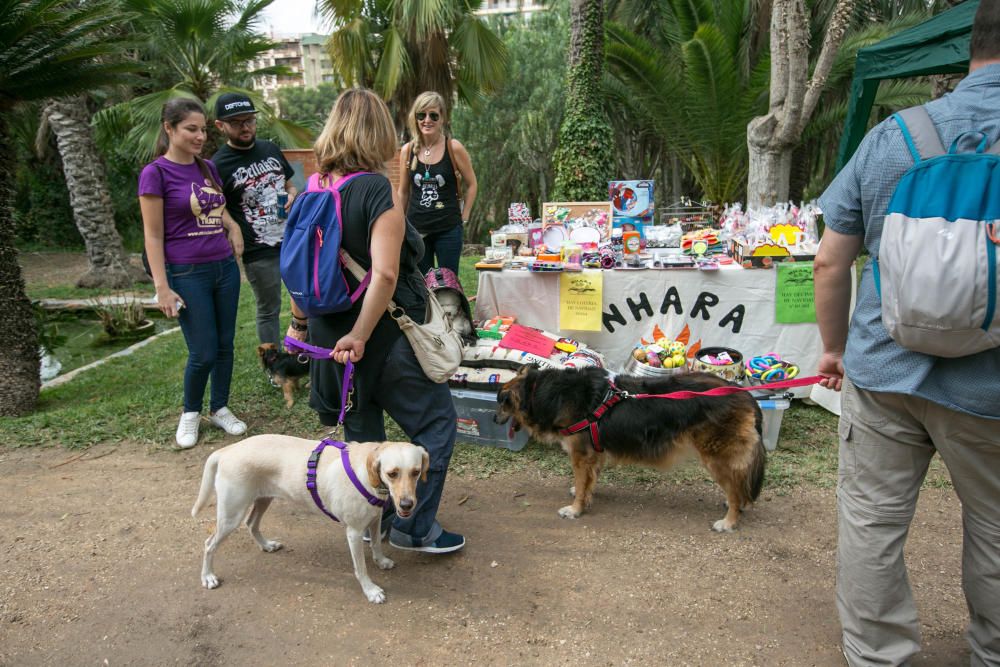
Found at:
<point>270,546</point>
<point>210,581</point>
<point>385,563</point>
<point>569,512</point>
<point>720,526</point>
<point>375,594</point>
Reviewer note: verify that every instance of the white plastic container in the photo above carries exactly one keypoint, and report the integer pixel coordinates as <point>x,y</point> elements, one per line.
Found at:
<point>772,409</point>
<point>475,421</point>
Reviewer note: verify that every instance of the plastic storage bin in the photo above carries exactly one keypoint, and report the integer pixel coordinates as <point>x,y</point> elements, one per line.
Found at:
<point>475,421</point>
<point>772,410</point>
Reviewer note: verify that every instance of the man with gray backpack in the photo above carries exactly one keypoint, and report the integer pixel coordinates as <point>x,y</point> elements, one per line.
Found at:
<point>919,363</point>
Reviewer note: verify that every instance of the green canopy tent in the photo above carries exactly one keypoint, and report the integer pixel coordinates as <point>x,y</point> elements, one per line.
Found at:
<point>939,45</point>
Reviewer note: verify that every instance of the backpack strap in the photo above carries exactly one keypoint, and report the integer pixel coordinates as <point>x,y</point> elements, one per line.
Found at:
<point>921,136</point>
<point>318,182</point>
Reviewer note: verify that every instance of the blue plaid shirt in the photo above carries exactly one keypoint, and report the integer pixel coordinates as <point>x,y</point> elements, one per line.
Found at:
<point>855,204</point>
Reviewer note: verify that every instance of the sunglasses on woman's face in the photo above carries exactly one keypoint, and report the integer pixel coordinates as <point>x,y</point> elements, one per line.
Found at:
<point>435,116</point>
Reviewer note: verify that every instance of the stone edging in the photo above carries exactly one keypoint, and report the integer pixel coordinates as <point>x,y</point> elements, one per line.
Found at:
<point>62,379</point>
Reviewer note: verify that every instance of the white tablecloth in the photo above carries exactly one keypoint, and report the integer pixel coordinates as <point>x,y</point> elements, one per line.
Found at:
<point>732,307</point>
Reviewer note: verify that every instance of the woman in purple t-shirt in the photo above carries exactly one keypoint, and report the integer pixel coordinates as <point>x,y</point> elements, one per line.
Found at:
<point>192,244</point>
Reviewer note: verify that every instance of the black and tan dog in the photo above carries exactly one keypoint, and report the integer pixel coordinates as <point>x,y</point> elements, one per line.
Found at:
<point>283,368</point>
<point>724,431</point>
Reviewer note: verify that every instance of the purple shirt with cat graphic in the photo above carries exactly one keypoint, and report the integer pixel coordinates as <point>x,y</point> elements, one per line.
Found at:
<point>192,211</point>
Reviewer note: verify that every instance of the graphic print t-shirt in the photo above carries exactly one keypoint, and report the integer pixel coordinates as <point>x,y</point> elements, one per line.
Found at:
<point>251,180</point>
<point>433,205</point>
<point>192,211</point>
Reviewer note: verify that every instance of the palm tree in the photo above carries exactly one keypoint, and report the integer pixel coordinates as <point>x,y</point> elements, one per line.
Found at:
<point>400,48</point>
<point>69,118</point>
<point>197,49</point>
<point>698,80</point>
<point>47,47</point>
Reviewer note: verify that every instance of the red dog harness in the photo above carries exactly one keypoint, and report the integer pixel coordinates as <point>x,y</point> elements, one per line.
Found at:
<point>611,399</point>
<point>616,396</point>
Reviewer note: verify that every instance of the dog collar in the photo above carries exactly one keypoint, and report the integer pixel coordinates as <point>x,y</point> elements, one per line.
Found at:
<point>312,465</point>
<point>613,397</point>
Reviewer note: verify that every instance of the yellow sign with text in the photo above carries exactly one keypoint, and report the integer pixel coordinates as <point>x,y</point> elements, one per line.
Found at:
<point>581,297</point>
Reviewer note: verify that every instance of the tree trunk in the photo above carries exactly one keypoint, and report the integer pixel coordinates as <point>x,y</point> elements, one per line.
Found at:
<point>585,157</point>
<point>88,196</point>
<point>771,139</point>
<point>770,172</point>
<point>19,361</point>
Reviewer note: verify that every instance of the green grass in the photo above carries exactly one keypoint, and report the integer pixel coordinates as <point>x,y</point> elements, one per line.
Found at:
<point>136,400</point>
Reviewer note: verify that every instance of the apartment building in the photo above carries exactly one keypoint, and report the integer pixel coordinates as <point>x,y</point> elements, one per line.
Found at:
<point>306,58</point>
<point>527,7</point>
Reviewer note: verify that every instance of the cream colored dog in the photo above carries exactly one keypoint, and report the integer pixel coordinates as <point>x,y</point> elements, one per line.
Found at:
<point>251,473</point>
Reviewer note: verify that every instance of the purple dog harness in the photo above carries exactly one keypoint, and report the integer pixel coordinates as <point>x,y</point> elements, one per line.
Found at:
<point>315,352</point>
<point>311,476</point>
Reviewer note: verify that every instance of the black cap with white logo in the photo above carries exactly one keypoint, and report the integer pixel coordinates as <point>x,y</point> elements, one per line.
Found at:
<point>232,104</point>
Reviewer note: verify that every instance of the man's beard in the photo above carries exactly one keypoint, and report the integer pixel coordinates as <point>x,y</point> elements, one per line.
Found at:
<point>239,143</point>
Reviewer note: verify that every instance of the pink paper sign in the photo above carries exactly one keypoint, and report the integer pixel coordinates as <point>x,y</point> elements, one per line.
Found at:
<point>528,340</point>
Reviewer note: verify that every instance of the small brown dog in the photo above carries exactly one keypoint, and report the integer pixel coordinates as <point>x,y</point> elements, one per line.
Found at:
<point>283,368</point>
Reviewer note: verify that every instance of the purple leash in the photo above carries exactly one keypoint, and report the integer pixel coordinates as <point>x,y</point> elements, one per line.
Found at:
<point>347,386</point>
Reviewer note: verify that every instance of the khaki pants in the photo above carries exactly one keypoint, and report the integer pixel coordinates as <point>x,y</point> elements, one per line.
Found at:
<point>886,443</point>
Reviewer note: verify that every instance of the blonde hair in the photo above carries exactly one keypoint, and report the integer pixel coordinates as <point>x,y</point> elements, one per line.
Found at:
<point>358,136</point>
<point>424,101</point>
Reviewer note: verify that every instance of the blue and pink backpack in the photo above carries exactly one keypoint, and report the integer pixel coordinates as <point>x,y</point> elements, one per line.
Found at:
<point>311,261</point>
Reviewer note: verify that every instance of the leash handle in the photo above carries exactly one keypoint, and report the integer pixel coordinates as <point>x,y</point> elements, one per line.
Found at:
<point>346,390</point>
<point>726,391</point>
<point>312,351</point>
<point>316,352</point>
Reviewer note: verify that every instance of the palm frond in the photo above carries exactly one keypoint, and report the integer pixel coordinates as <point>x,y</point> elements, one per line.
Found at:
<point>394,64</point>
<point>484,62</point>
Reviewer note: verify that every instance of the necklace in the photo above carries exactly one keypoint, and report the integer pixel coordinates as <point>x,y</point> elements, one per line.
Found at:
<point>427,151</point>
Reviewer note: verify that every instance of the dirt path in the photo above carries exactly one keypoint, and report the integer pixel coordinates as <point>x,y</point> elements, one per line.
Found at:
<point>100,565</point>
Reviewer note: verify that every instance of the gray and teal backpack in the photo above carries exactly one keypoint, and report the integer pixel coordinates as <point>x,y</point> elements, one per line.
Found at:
<point>937,265</point>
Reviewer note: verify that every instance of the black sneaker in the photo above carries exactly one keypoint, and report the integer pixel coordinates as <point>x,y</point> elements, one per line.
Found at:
<point>445,543</point>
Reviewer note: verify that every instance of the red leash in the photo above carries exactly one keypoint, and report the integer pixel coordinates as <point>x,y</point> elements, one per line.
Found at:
<point>725,391</point>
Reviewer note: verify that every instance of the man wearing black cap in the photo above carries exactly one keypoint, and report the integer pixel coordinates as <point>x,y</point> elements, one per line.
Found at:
<point>255,178</point>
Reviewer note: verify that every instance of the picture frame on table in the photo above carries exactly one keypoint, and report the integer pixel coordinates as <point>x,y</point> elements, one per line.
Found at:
<point>581,221</point>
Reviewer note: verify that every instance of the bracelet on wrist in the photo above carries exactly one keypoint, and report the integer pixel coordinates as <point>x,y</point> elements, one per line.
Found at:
<point>299,326</point>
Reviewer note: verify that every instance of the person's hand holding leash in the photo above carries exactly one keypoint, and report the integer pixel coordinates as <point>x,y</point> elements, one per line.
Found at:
<point>831,367</point>
<point>349,348</point>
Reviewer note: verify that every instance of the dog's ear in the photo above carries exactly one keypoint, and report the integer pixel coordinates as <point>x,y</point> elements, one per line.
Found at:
<point>373,464</point>
<point>425,465</point>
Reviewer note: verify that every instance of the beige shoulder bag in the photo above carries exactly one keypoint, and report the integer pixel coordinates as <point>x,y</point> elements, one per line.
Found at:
<point>437,346</point>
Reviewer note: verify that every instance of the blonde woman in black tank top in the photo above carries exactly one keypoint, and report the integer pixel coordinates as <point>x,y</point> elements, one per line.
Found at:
<point>437,182</point>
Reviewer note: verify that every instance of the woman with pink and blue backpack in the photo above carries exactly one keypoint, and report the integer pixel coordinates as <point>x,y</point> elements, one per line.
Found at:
<point>351,153</point>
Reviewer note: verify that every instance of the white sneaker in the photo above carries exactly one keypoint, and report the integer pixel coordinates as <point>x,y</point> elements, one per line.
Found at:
<point>228,422</point>
<point>187,429</point>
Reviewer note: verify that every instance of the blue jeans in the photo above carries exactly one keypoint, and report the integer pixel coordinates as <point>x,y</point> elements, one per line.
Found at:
<point>426,413</point>
<point>264,277</point>
<point>211,294</point>
<point>448,248</point>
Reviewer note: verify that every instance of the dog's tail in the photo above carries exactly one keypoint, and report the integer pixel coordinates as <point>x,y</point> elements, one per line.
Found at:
<point>207,483</point>
<point>755,480</point>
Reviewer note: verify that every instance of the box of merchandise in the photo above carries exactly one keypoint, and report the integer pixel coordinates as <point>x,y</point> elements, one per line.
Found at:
<point>764,255</point>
